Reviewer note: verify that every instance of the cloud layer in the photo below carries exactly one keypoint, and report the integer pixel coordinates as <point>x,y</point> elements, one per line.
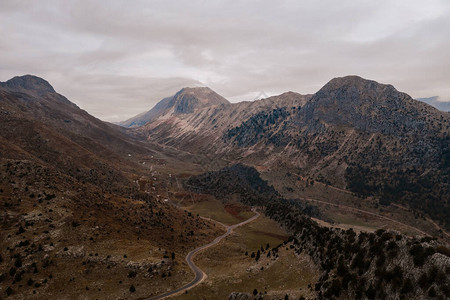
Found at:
<point>118,58</point>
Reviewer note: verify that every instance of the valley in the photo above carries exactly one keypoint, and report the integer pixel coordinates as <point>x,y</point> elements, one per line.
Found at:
<point>318,196</point>
<point>224,150</point>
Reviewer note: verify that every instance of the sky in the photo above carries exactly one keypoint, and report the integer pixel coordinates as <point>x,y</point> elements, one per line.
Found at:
<point>116,59</point>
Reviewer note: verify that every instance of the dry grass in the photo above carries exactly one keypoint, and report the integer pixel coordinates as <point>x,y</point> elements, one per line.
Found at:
<point>296,187</point>
<point>209,207</point>
<point>230,270</point>
<point>85,243</point>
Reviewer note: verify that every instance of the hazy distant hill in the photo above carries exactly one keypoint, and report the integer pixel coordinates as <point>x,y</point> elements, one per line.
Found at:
<point>434,101</point>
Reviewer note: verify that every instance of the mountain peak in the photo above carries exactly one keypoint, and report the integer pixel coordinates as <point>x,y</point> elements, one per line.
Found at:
<point>204,94</point>
<point>353,81</point>
<point>355,90</point>
<point>196,89</point>
<point>188,99</point>
<point>29,82</point>
<point>185,101</point>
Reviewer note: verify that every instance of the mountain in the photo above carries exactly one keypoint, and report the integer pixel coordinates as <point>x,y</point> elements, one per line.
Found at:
<point>183,102</point>
<point>434,101</point>
<point>28,83</point>
<point>103,209</point>
<point>365,136</point>
<point>72,191</point>
<point>143,118</point>
<point>202,130</point>
<point>353,133</point>
<point>41,124</point>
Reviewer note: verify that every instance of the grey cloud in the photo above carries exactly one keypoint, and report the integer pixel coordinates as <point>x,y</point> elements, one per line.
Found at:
<point>118,58</point>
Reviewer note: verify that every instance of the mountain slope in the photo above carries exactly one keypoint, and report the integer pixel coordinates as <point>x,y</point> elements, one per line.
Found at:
<point>202,130</point>
<point>183,102</point>
<point>381,264</point>
<point>69,196</point>
<point>368,137</point>
<point>353,133</point>
<point>48,127</point>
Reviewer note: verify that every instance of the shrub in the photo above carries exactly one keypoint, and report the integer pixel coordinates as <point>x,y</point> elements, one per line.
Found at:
<point>334,289</point>
<point>132,274</point>
<point>75,224</point>
<point>424,281</point>
<point>18,262</point>
<point>407,286</point>
<point>371,292</point>
<point>9,291</point>
<point>420,254</point>
<point>432,292</point>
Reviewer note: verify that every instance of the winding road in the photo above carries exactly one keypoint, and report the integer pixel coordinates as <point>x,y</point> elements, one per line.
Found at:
<point>199,274</point>
<point>367,213</point>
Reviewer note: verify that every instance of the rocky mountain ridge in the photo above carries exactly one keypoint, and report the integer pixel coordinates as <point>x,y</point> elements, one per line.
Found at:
<point>202,131</point>
<point>77,191</point>
<point>351,128</point>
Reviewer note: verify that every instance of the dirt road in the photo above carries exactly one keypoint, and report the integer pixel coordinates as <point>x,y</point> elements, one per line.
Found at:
<point>369,213</point>
<point>199,274</point>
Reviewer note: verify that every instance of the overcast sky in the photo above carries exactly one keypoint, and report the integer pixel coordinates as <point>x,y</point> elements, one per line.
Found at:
<point>116,59</point>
